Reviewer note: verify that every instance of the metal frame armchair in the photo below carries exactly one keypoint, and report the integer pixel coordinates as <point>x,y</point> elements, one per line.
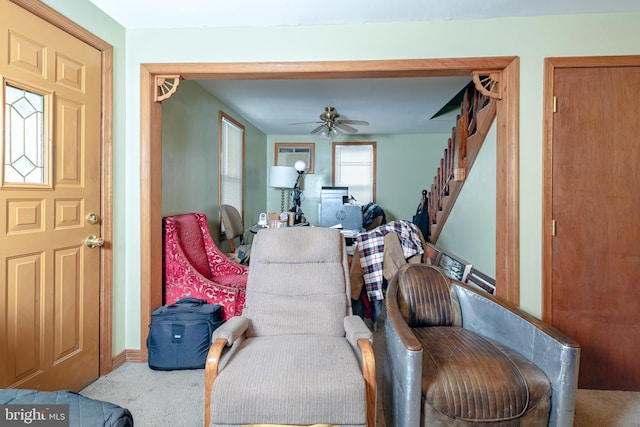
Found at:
<point>296,356</point>
<point>457,356</point>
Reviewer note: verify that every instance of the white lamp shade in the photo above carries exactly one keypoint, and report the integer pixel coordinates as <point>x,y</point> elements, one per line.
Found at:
<point>282,176</point>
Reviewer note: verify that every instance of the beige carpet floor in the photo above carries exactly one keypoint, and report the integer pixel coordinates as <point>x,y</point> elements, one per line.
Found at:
<point>175,398</point>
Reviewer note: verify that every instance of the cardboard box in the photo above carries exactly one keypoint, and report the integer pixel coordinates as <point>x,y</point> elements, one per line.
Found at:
<point>274,217</point>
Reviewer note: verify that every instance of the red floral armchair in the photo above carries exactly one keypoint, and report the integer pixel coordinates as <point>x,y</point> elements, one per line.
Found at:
<point>194,267</point>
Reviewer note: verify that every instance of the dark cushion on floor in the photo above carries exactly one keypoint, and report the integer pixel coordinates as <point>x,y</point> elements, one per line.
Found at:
<point>83,411</point>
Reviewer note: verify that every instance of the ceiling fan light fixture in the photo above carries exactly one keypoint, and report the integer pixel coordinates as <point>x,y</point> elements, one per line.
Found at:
<point>330,132</point>
<point>332,126</point>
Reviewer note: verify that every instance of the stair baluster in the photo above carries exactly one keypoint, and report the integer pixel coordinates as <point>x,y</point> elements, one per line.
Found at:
<point>477,112</point>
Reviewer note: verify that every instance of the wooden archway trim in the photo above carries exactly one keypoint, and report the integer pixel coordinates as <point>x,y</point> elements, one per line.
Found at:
<point>488,83</point>
<point>166,86</point>
<point>507,158</point>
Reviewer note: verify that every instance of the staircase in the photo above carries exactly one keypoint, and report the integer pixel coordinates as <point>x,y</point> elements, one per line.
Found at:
<point>477,112</point>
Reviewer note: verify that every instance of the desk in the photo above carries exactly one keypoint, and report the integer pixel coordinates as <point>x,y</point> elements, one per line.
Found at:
<point>256,227</point>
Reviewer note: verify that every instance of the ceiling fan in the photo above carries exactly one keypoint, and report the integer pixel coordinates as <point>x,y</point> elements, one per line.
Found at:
<point>332,125</point>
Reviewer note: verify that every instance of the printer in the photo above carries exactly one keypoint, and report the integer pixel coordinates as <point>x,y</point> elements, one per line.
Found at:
<point>335,209</point>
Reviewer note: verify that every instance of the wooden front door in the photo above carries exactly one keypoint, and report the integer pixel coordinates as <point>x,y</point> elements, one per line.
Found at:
<point>596,209</point>
<point>49,185</point>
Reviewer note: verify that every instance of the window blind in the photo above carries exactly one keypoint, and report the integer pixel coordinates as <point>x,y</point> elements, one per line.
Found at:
<point>231,165</point>
<point>354,168</point>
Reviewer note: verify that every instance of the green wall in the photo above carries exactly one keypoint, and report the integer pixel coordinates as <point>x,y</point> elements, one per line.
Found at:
<point>190,157</point>
<point>405,164</point>
<point>532,39</point>
<point>470,231</point>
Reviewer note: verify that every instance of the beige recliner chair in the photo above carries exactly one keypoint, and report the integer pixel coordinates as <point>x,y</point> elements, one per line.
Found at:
<point>296,356</point>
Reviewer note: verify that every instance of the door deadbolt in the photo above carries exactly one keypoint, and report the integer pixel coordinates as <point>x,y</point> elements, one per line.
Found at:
<point>92,218</point>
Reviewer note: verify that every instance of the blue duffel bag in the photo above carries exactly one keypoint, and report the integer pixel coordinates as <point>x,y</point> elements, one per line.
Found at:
<point>180,334</point>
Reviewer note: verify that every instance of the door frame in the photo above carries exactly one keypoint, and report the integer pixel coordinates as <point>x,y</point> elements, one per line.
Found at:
<point>46,13</point>
<point>507,157</point>
<point>550,66</point>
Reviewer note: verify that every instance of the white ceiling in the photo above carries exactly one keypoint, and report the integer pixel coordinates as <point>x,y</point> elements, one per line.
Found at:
<point>391,106</point>
<point>252,13</point>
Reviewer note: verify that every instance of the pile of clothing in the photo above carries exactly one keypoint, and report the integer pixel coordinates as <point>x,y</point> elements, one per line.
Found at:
<point>380,253</point>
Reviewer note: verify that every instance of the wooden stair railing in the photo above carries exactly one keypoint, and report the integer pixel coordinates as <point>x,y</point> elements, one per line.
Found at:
<point>477,112</point>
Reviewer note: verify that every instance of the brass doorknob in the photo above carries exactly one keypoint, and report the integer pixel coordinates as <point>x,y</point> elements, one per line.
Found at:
<point>93,241</point>
<point>93,218</point>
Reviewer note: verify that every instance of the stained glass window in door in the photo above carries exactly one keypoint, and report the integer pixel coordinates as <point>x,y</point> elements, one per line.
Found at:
<point>24,139</point>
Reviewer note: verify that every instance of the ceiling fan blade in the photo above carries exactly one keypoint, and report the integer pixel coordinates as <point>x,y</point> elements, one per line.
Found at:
<point>355,122</point>
<point>346,128</point>
<point>303,123</point>
<point>318,129</point>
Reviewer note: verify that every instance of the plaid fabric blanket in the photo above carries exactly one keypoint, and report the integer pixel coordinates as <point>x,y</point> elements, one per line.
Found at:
<point>371,247</point>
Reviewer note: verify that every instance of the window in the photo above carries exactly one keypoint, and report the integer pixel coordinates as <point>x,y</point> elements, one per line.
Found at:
<point>231,179</point>
<point>25,152</point>
<point>354,166</point>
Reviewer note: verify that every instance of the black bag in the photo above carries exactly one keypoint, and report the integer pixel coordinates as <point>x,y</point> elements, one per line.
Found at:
<point>180,334</point>
<point>421,218</point>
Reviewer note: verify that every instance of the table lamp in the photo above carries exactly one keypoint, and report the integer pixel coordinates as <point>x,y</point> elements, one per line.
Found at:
<point>282,177</point>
